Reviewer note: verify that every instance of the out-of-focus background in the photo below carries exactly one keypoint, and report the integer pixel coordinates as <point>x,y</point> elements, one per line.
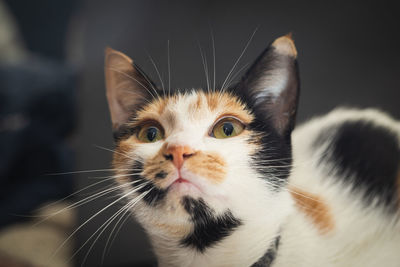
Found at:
<point>54,120</point>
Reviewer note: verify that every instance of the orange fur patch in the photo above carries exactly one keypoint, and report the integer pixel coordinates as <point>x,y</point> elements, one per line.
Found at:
<point>315,208</point>
<point>216,102</point>
<point>212,101</point>
<point>121,154</point>
<point>197,104</point>
<point>170,118</point>
<point>225,103</point>
<point>208,165</point>
<point>156,165</point>
<point>154,109</point>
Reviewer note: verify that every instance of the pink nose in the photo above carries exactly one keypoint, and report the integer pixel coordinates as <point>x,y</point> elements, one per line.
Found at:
<point>178,154</point>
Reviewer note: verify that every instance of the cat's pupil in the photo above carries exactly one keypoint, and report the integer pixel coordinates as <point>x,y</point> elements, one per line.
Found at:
<point>151,133</point>
<point>227,128</point>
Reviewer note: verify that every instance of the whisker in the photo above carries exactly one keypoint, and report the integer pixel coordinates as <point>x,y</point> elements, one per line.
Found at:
<point>148,81</point>
<point>213,49</point>
<point>77,192</point>
<point>138,95</point>
<point>116,233</point>
<point>126,212</point>
<point>113,151</point>
<point>158,73</point>
<point>236,74</point>
<point>118,175</point>
<point>127,75</point>
<point>169,71</point>
<point>85,200</point>
<point>82,171</point>
<point>204,62</point>
<point>93,216</point>
<point>105,225</point>
<point>238,59</point>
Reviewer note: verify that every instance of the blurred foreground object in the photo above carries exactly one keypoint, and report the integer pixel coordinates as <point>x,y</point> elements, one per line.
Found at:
<point>33,243</point>
<point>37,116</point>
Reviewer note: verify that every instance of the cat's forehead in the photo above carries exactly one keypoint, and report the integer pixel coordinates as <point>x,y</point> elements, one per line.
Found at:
<point>194,107</point>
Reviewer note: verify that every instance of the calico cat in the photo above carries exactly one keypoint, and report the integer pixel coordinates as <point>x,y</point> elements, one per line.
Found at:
<point>217,178</point>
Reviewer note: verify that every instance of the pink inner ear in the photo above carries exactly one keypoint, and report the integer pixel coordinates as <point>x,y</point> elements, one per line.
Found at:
<point>126,87</point>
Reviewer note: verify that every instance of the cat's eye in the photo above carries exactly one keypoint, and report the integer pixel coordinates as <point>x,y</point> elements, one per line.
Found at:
<point>227,127</point>
<point>150,133</point>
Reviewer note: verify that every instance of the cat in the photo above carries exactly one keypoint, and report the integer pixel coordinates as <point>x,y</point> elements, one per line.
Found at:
<point>218,177</point>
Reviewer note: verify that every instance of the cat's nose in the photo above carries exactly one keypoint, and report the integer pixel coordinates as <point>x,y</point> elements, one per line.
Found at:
<point>177,154</point>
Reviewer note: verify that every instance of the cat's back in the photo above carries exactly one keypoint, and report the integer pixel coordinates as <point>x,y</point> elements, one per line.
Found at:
<point>345,183</point>
<point>358,150</point>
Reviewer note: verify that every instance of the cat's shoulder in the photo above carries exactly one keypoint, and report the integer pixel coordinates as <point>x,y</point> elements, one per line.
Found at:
<point>358,148</point>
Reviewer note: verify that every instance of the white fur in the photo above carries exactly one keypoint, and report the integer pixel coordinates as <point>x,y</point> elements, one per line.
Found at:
<point>272,84</point>
<point>362,236</point>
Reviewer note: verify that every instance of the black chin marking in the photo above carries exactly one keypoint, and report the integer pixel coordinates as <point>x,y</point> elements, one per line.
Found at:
<point>154,195</point>
<point>208,228</point>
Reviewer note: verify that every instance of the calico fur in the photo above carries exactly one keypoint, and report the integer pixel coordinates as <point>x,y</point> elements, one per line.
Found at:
<point>326,194</point>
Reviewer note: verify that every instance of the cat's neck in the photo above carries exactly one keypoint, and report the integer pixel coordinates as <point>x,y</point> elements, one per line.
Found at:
<point>246,246</point>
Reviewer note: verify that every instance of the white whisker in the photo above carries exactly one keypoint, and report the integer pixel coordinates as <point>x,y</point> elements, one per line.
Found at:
<point>113,151</point>
<point>213,49</point>
<point>105,225</point>
<point>127,75</point>
<point>238,59</point>
<point>235,75</point>
<point>133,203</point>
<point>204,61</point>
<point>86,200</point>
<point>82,171</point>
<point>93,216</point>
<point>169,72</point>
<point>148,81</point>
<point>158,73</point>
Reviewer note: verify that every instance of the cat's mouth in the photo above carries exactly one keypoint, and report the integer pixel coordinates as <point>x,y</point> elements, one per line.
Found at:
<point>181,180</point>
<point>183,185</point>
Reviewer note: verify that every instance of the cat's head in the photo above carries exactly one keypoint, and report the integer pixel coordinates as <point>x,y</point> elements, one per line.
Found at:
<point>204,161</point>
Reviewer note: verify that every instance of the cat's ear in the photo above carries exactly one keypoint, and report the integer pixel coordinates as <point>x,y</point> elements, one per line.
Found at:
<point>271,85</point>
<point>127,86</point>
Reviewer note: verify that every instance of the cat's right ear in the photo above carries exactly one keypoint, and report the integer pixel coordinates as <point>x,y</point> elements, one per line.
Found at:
<point>128,87</point>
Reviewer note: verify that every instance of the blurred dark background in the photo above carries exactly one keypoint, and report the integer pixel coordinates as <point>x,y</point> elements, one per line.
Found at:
<point>52,78</point>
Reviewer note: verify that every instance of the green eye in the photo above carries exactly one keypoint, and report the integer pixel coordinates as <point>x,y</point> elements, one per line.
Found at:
<point>150,134</point>
<point>226,128</point>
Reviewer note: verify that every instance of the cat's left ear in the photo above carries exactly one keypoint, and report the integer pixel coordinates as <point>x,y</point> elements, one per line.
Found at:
<point>271,85</point>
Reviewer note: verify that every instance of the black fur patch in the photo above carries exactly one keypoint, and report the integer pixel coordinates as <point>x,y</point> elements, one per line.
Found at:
<point>367,156</point>
<point>122,132</point>
<point>268,258</point>
<point>161,175</point>
<point>274,158</point>
<point>275,116</point>
<point>155,195</point>
<point>208,228</point>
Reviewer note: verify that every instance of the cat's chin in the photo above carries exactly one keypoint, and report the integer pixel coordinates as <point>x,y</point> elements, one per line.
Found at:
<point>183,187</point>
